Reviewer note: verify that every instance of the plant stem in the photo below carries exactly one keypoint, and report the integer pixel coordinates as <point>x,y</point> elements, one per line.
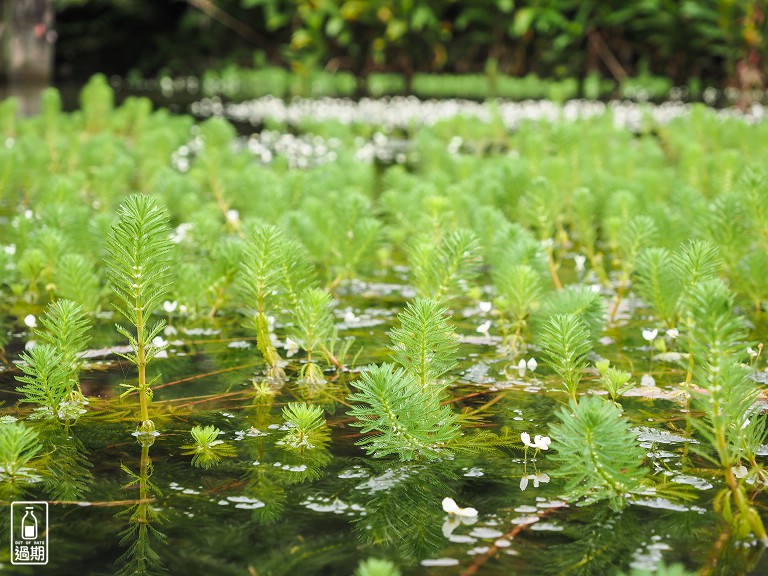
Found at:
<point>146,423</point>
<point>619,296</point>
<point>553,269</point>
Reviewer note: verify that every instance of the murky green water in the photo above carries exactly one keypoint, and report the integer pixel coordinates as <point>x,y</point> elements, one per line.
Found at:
<point>275,511</point>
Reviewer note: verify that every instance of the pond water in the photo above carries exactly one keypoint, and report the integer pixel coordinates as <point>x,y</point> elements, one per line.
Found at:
<point>642,230</point>
<point>271,510</point>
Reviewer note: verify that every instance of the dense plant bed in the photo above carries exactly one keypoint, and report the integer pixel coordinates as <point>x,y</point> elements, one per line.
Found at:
<point>495,340</point>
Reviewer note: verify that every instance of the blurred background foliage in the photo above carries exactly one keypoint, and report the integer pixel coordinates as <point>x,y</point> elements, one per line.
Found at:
<point>719,42</point>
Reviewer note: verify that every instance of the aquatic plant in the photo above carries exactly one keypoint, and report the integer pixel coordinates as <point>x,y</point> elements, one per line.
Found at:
<point>631,239</point>
<point>140,536</point>
<point>440,270</point>
<point>314,330</point>
<point>51,367</point>
<point>731,426</point>
<point>615,381</point>
<point>519,290</point>
<point>139,257</point>
<point>425,344</point>
<point>307,425</point>
<point>405,420</point>
<point>596,452</point>
<point>376,567</point>
<point>66,329</point>
<point>272,271</point>
<point>207,450</point>
<point>21,464</point>
<point>579,300</point>
<point>76,280</point>
<point>565,345</point>
<point>47,383</point>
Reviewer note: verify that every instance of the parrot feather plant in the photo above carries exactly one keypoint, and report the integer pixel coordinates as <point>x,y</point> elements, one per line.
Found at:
<point>139,251</point>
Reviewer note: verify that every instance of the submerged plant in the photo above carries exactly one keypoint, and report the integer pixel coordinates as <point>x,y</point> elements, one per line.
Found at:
<point>403,418</point>
<point>314,330</point>
<point>273,272</point>
<point>20,463</point>
<point>440,270</point>
<point>732,426</point>
<point>565,345</point>
<point>615,381</point>
<point>519,289</point>
<point>207,450</point>
<point>65,328</point>
<point>376,567</point>
<point>138,268</point>
<point>307,425</point>
<point>597,452</point>
<point>425,343</point>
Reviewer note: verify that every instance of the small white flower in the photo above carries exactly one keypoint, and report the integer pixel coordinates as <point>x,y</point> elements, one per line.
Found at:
<point>483,328</point>
<point>170,331</point>
<point>233,216</point>
<point>532,364</point>
<point>739,471</point>
<point>747,422</point>
<point>673,333</point>
<point>539,442</point>
<point>349,316</point>
<point>159,342</point>
<point>180,233</point>
<point>450,507</point>
<point>521,368</point>
<point>536,478</point>
<point>28,214</point>
<point>579,259</point>
<point>291,347</point>
<point>10,249</point>
<point>647,381</point>
<point>485,307</point>
<point>169,306</point>
<point>650,335</point>
<point>29,345</point>
<point>752,353</point>
<point>30,321</point>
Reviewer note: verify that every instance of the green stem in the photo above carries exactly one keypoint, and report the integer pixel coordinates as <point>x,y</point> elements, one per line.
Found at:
<point>146,423</point>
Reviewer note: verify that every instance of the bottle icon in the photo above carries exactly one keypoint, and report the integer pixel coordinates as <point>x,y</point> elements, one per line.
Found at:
<point>29,524</point>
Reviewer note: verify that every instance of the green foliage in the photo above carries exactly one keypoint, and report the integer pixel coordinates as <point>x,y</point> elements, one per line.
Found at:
<point>139,258</point>
<point>405,419</point>
<point>138,269</point>
<point>696,261</point>
<point>519,290</point>
<point>97,100</point>
<point>657,284</point>
<point>717,332</point>
<point>440,271</point>
<point>69,476</point>
<point>425,344</point>
<point>616,382</point>
<point>260,281</point>
<point>597,452</point>
<point>376,567</point>
<point>75,279</point>
<point>208,450</point>
<point>49,383</point>
<point>308,429</point>
<point>565,345</point>
<point>314,328</point>
<point>580,301</point>
<point>20,463</point>
<point>66,330</point>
